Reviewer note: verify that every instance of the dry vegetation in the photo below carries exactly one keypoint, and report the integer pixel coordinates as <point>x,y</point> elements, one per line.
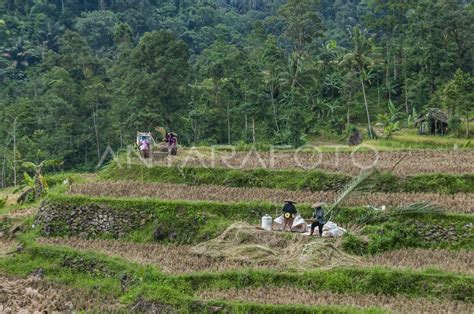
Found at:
<point>19,213</point>
<point>460,202</point>
<point>456,261</point>
<point>33,295</point>
<point>171,259</point>
<point>240,246</point>
<point>408,162</point>
<point>6,246</point>
<point>287,295</point>
<point>213,256</point>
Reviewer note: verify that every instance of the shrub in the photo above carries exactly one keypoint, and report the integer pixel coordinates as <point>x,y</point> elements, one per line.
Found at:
<point>354,245</point>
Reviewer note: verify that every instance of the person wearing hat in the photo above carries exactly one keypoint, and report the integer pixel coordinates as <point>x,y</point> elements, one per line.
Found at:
<point>289,214</point>
<point>319,218</point>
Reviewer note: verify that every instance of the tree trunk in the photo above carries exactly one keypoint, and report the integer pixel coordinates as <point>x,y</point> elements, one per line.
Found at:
<point>395,75</point>
<point>387,70</point>
<point>4,164</point>
<point>272,94</point>
<point>378,93</point>
<point>14,152</point>
<point>85,153</point>
<point>96,134</point>
<point>366,104</point>
<point>406,93</point>
<point>467,123</point>
<point>246,128</point>
<point>62,7</point>
<point>404,68</point>
<point>228,124</point>
<point>254,137</point>
<point>3,169</point>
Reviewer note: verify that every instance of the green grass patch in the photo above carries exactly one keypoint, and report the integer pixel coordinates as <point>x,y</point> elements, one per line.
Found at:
<point>423,232</point>
<point>268,178</point>
<point>410,139</point>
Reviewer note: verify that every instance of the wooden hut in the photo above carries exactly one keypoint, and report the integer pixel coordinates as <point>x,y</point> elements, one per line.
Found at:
<point>433,122</point>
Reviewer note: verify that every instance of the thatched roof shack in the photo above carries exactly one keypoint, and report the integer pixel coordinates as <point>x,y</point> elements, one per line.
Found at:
<point>433,122</point>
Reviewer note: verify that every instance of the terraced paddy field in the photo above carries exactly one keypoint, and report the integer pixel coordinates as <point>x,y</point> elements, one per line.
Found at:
<point>186,238</point>
<point>180,259</point>
<point>400,163</point>
<point>459,202</point>
<point>396,304</point>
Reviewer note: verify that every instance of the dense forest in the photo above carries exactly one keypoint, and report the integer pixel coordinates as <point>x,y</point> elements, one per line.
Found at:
<point>78,76</point>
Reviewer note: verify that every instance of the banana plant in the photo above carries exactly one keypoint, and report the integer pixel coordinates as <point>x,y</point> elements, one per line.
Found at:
<point>38,183</point>
<point>391,120</point>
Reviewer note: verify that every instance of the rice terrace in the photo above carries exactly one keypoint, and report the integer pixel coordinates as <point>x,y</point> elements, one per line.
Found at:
<point>151,237</point>
<point>283,156</point>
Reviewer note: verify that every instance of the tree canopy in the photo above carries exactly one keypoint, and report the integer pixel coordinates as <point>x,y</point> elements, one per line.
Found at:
<point>78,76</point>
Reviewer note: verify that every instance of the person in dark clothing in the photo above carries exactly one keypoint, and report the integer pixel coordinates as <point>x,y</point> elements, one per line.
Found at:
<point>319,219</point>
<point>172,141</point>
<point>289,214</point>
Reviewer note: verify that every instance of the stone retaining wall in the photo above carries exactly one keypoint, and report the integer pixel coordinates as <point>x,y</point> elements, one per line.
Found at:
<point>87,220</point>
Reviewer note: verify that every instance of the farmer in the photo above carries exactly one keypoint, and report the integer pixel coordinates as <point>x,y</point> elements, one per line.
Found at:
<point>167,138</point>
<point>289,214</point>
<point>319,218</point>
<point>145,148</point>
<point>172,143</point>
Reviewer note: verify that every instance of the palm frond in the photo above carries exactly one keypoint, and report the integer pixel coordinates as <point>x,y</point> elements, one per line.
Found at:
<point>51,163</point>
<point>350,188</point>
<point>422,208</point>
<point>29,165</point>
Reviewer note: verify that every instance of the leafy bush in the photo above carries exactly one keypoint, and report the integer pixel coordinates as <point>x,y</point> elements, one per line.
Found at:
<point>354,245</point>
<point>3,202</point>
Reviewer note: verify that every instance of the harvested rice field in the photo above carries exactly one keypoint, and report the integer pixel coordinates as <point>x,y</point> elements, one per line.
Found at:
<point>179,259</point>
<point>460,202</point>
<point>171,259</point>
<point>276,295</point>
<point>35,295</point>
<point>454,261</point>
<point>400,162</point>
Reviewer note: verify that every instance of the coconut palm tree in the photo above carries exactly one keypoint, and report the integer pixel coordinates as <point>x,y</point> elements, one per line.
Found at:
<point>49,35</point>
<point>359,61</point>
<point>19,55</point>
